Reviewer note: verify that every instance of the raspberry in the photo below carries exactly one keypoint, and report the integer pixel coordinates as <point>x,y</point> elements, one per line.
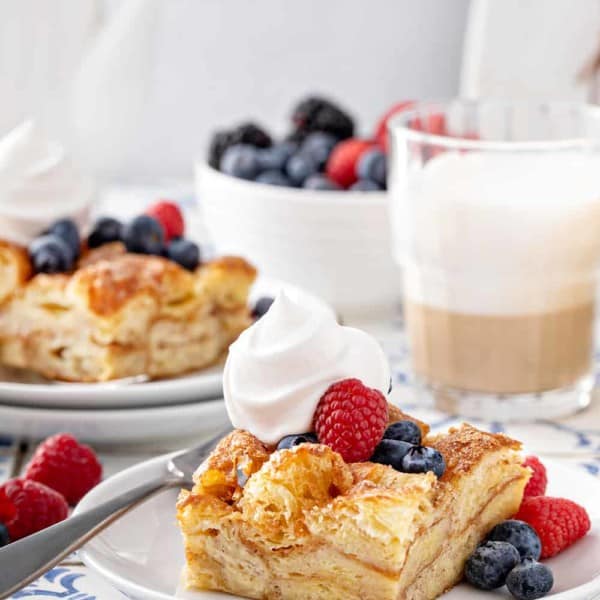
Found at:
<point>36,507</point>
<point>169,216</point>
<point>65,465</point>
<point>320,114</point>
<point>558,522</point>
<point>381,135</point>
<point>342,162</point>
<point>350,419</point>
<point>539,480</point>
<point>7,508</point>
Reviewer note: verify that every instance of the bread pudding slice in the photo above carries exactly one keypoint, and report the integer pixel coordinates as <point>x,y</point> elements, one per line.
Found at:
<point>120,315</point>
<point>303,524</point>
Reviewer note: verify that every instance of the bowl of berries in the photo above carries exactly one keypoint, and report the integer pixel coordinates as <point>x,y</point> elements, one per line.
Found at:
<point>311,208</point>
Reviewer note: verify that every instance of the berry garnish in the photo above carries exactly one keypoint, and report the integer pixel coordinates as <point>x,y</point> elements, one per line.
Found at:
<point>144,235</point>
<point>37,507</point>
<point>247,133</point>
<point>558,522</point>
<point>104,231</point>
<point>241,161</point>
<point>530,580</point>
<point>351,418</point>
<point>318,145</point>
<point>4,536</point>
<point>521,535</point>
<point>405,431</point>
<point>51,254</point>
<point>300,167</point>
<point>289,441</point>
<point>488,567</point>
<point>536,486</point>
<point>185,253</point>
<point>7,508</point>
<point>261,306</point>
<point>391,452</point>
<point>421,459</point>
<point>68,232</point>
<point>372,166</point>
<point>273,177</point>
<point>320,114</point>
<point>381,132</point>
<point>168,214</point>
<point>65,465</point>
<point>365,185</point>
<point>341,166</point>
<point>320,182</point>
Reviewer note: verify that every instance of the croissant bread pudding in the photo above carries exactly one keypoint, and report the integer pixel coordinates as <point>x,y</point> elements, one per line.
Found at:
<point>366,505</point>
<point>116,313</point>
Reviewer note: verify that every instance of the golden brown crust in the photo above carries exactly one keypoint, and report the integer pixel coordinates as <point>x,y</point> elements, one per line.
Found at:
<point>120,314</point>
<point>309,525</point>
<point>465,446</point>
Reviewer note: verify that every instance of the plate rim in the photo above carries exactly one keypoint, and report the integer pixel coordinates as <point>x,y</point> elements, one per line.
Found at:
<point>585,591</point>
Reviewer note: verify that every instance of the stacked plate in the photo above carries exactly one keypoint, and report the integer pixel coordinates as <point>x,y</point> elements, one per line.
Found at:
<point>126,410</point>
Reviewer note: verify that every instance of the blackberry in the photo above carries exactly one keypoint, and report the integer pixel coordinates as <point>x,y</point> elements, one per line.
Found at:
<point>246,133</point>
<point>319,114</point>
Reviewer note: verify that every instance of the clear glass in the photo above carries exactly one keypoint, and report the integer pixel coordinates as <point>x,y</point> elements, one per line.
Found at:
<point>496,225</point>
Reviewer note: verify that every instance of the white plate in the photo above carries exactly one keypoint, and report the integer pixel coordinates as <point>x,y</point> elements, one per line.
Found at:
<point>125,425</point>
<point>134,391</point>
<point>142,553</point>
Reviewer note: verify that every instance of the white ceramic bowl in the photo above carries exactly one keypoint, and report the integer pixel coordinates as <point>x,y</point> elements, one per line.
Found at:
<point>335,244</point>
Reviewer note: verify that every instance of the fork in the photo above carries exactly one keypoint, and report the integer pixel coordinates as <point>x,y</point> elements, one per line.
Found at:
<point>25,560</point>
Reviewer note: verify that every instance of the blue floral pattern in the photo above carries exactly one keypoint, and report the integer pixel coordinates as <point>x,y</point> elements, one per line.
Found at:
<point>57,583</point>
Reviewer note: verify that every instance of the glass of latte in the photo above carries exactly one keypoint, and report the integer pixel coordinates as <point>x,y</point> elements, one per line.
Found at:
<point>496,224</point>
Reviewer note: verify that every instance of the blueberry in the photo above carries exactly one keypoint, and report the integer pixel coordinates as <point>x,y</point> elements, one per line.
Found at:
<point>300,167</point>
<point>289,441</point>
<point>318,146</point>
<point>105,230</point>
<point>275,157</point>
<point>4,537</point>
<point>488,567</point>
<point>529,580</point>
<point>51,254</point>
<point>261,306</point>
<point>241,477</point>
<point>421,459</point>
<point>246,133</point>
<point>521,535</point>
<point>365,185</point>
<point>372,165</point>
<point>144,235</point>
<point>272,177</point>
<point>320,182</point>
<point>391,452</point>
<point>241,161</point>
<point>405,431</point>
<point>67,230</point>
<point>184,253</point>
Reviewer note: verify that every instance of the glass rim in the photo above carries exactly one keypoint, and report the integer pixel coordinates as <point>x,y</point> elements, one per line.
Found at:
<point>401,122</point>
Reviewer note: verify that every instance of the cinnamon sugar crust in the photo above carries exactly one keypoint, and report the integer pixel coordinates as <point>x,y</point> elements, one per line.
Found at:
<point>308,525</point>
<point>120,314</point>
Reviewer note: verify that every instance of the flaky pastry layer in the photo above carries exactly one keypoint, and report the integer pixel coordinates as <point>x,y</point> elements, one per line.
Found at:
<point>120,315</point>
<point>306,525</point>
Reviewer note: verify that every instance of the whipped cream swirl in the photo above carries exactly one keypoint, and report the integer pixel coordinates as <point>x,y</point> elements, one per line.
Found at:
<point>38,184</point>
<point>279,368</point>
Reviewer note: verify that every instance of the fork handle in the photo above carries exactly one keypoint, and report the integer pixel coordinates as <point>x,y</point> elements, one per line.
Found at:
<point>25,560</point>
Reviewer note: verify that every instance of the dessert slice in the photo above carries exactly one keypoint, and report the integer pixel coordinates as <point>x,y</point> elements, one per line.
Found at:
<point>120,314</point>
<point>302,523</point>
